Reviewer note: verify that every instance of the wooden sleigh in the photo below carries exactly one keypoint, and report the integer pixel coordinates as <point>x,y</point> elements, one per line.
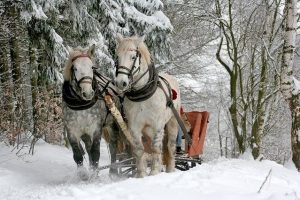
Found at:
<point>194,150</point>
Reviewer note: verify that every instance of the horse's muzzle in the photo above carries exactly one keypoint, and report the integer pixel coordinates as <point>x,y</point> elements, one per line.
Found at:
<point>122,85</point>
<point>87,95</point>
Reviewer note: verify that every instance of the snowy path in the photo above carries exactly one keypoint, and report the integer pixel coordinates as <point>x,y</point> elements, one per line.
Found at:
<point>50,174</point>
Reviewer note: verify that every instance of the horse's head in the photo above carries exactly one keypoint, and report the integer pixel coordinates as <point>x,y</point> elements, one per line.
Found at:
<point>133,59</point>
<point>79,71</point>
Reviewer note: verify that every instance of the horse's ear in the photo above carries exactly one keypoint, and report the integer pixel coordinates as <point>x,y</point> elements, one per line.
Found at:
<point>91,51</point>
<point>119,38</point>
<point>70,49</point>
<point>140,40</point>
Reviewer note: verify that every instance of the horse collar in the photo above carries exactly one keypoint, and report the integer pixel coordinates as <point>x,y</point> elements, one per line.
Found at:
<point>148,90</point>
<point>74,101</point>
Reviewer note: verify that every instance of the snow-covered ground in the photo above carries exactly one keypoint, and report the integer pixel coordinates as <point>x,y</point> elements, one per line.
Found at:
<point>51,174</point>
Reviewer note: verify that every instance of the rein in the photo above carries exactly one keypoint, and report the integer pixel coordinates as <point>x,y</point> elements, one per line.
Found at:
<point>148,90</point>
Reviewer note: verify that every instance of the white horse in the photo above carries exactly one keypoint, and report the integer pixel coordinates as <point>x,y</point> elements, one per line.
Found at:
<point>145,104</point>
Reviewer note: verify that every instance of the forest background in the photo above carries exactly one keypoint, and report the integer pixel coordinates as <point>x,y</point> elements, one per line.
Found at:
<point>229,56</point>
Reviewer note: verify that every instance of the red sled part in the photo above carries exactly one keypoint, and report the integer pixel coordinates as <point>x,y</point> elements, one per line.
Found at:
<point>174,94</point>
<point>199,121</point>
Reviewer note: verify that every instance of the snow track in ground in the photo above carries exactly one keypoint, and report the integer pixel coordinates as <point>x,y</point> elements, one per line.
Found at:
<point>51,174</point>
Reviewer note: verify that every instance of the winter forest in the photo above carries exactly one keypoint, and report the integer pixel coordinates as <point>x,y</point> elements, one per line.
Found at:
<point>237,59</point>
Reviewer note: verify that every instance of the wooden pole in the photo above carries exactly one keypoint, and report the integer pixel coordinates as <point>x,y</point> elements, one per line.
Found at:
<point>118,117</point>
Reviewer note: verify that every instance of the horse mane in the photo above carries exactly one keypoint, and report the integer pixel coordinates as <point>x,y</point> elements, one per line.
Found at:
<point>73,53</point>
<point>142,48</point>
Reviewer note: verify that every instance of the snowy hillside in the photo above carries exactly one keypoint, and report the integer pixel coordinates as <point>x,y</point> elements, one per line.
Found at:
<point>50,174</point>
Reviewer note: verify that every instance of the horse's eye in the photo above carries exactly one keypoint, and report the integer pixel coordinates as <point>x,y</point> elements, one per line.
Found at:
<point>75,69</point>
<point>133,57</point>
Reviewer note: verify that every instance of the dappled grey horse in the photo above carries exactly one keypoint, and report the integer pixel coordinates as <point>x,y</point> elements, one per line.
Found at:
<point>84,111</point>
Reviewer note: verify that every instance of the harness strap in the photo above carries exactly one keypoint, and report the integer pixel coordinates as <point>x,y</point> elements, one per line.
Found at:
<point>148,90</point>
<point>130,72</point>
<point>135,82</point>
<point>81,55</point>
<point>127,72</point>
<point>73,100</point>
<point>171,105</point>
<point>85,79</point>
<point>105,84</point>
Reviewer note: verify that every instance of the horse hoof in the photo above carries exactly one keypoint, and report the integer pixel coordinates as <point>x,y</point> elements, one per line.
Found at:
<point>154,172</point>
<point>140,175</point>
<point>114,176</point>
<point>93,175</point>
<point>83,174</point>
<point>170,170</point>
<point>113,171</point>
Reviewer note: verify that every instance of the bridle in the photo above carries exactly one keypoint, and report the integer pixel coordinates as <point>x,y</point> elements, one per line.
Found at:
<point>85,79</point>
<point>69,94</point>
<point>130,72</point>
<point>139,94</point>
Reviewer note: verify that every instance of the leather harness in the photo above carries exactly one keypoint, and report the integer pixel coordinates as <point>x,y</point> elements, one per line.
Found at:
<point>73,100</point>
<point>150,87</point>
<point>146,91</point>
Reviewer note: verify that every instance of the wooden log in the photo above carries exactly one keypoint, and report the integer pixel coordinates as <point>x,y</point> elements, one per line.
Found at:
<point>118,117</point>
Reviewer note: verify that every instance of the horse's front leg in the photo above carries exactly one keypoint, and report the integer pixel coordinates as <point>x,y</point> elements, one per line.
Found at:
<point>156,152</point>
<point>95,150</point>
<point>88,145</point>
<point>138,151</point>
<point>78,153</point>
<point>76,148</point>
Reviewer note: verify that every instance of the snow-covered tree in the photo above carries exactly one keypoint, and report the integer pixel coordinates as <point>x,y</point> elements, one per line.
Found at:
<point>36,33</point>
<point>250,39</point>
<point>289,86</point>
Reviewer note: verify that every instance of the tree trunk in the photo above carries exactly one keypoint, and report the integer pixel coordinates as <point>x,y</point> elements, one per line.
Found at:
<point>287,85</point>
<point>34,83</point>
<point>6,77</point>
<point>20,70</point>
<point>7,100</point>
<point>233,95</point>
<point>219,133</point>
<point>28,104</point>
<point>295,132</point>
<point>257,127</point>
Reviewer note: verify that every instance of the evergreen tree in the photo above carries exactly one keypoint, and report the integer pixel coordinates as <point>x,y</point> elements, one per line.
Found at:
<point>35,35</point>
